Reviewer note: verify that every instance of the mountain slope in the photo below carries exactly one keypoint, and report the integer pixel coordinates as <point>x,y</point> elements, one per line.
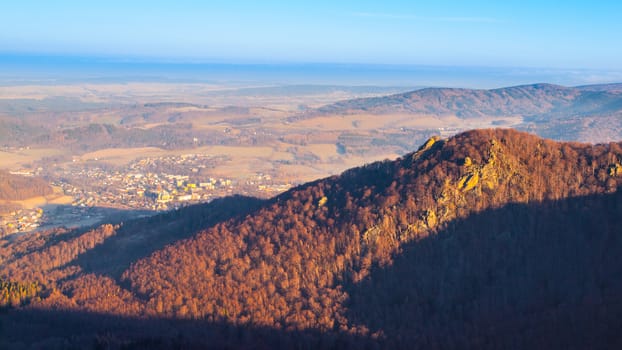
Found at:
<point>324,234</point>
<point>432,249</point>
<point>524,276</point>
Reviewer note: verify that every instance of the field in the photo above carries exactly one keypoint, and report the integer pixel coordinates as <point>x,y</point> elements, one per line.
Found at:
<point>20,158</point>
<point>89,139</point>
<point>151,146</point>
<point>246,123</point>
<point>121,156</point>
<point>258,139</point>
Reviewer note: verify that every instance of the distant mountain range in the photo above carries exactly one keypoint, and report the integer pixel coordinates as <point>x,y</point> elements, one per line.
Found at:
<point>526,100</point>
<point>489,239</point>
<point>586,113</point>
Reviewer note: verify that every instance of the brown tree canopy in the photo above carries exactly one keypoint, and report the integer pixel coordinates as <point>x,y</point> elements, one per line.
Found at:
<point>17,187</point>
<point>480,229</point>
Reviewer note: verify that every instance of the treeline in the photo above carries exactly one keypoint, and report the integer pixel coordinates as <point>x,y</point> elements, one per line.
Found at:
<point>98,136</point>
<point>62,261</point>
<point>20,245</point>
<point>15,187</point>
<point>38,266</point>
<point>14,294</point>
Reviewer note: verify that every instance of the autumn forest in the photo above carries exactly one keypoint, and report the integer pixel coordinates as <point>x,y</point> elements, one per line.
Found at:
<point>489,239</point>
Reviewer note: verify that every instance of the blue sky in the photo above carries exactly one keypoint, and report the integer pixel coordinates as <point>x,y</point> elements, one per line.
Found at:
<point>510,33</point>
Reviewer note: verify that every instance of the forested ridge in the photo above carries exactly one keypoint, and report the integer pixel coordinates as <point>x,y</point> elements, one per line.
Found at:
<point>16,187</point>
<point>489,239</point>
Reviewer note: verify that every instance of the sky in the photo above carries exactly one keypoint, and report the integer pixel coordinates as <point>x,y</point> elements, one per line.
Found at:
<point>481,33</point>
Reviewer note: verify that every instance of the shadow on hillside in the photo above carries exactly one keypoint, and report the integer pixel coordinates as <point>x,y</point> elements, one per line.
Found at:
<point>58,215</point>
<point>543,275</point>
<point>136,239</point>
<point>44,329</point>
<point>63,223</point>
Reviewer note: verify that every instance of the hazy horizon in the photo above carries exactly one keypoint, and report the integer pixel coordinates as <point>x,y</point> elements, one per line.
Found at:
<point>17,69</point>
<point>481,44</point>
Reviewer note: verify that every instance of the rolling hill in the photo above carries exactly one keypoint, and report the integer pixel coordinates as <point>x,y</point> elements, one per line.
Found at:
<point>16,187</point>
<point>488,239</point>
<point>525,100</point>
<point>591,113</point>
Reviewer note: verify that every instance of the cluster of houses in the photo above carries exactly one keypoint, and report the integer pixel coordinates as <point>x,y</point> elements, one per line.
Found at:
<point>20,220</point>
<point>136,190</point>
<point>139,187</point>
